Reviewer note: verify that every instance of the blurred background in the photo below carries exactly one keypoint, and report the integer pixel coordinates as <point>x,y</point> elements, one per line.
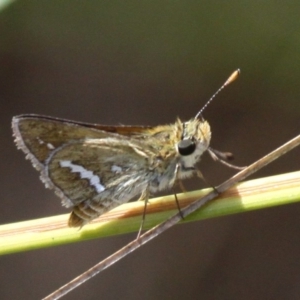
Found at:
<point>147,62</point>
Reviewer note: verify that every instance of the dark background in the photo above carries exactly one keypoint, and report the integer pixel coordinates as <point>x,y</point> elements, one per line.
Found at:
<point>147,62</point>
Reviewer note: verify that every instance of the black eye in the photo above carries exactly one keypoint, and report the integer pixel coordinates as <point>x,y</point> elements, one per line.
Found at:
<point>186,147</point>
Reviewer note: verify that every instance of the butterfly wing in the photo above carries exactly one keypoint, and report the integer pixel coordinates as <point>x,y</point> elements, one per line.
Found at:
<point>90,167</point>
<point>39,135</point>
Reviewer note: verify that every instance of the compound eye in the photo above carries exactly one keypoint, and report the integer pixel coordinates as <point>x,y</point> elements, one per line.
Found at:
<point>186,147</point>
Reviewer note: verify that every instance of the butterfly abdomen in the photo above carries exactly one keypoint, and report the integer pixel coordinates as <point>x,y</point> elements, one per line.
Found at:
<point>87,211</point>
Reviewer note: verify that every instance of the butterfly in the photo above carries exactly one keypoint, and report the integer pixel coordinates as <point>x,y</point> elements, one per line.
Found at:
<point>94,168</point>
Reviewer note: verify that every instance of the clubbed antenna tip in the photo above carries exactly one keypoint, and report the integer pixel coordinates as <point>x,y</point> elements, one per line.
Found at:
<point>230,79</point>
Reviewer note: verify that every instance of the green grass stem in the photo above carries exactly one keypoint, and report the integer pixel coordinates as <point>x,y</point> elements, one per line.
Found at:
<point>244,197</point>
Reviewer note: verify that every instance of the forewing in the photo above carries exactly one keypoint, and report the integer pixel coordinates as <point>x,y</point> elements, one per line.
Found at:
<point>38,136</point>
<point>79,161</point>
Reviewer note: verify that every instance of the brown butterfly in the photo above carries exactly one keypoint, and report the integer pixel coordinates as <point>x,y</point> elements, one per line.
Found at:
<point>94,168</point>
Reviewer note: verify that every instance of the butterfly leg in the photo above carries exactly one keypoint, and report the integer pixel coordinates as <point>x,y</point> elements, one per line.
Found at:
<point>178,206</point>
<point>180,183</point>
<point>144,197</point>
<point>200,175</point>
<point>182,188</point>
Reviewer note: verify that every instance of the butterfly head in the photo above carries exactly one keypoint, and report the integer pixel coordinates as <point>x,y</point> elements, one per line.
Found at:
<point>194,139</point>
<point>196,134</point>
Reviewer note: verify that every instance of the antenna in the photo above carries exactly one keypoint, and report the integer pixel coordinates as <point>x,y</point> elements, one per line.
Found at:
<point>230,79</point>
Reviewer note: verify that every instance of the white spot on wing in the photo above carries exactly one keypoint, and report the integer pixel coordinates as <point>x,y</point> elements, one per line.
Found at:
<point>41,142</point>
<point>50,146</point>
<point>84,174</point>
<point>116,169</point>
